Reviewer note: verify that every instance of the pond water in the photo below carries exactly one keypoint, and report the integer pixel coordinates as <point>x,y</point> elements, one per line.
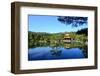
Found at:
<point>49,53</point>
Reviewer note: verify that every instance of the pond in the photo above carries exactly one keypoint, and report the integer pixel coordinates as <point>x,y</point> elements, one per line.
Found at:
<point>50,53</point>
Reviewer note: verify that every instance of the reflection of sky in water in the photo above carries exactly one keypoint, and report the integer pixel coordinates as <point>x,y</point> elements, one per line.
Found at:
<point>47,53</point>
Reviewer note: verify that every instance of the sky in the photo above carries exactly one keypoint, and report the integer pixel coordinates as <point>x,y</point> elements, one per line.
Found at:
<point>49,24</point>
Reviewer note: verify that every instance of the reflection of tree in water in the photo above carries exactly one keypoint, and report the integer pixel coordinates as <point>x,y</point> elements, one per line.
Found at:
<point>85,51</point>
<point>55,51</point>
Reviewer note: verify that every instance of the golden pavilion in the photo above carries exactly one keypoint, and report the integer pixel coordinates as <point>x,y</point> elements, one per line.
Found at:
<point>67,38</point>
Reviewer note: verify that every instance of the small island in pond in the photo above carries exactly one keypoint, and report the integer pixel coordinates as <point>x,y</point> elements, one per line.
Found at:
<point>57,37</point>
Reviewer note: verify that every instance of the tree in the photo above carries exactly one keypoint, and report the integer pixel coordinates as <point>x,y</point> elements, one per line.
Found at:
<point>74,21</point>
<point>83,31</point>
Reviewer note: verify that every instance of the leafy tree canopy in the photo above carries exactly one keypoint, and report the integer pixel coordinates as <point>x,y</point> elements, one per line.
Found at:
<point>74,21</point>
<point>83,31</point>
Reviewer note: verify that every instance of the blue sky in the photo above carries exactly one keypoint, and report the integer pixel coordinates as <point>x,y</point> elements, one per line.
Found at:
<point>49,24</point>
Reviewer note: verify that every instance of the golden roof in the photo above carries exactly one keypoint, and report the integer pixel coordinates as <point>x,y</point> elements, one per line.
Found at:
<point>67,36</point>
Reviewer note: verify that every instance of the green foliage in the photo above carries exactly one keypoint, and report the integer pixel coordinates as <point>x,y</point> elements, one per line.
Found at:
<point>83,31</point>
<point>43,39</point>
<point>71,20</point>
<point>38,39</point>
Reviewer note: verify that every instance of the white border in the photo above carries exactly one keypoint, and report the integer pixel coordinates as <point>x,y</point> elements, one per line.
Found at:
<point>25,64</point>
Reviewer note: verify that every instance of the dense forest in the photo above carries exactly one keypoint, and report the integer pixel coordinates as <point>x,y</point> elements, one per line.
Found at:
<point>43,39</point>
<point>36,39</point>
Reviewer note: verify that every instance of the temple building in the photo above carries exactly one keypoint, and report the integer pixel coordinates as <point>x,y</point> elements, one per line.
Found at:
<point>67,39</point>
